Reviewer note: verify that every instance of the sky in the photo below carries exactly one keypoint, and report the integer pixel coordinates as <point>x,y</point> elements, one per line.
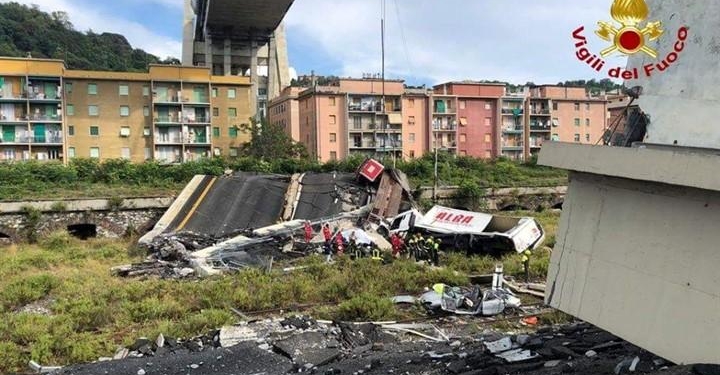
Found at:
<point>427,41</point>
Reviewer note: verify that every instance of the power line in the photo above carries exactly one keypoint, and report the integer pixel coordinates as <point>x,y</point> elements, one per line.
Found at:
<point>402,35</point>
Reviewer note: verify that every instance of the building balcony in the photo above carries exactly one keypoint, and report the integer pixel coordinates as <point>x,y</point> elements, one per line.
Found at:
<point>196,120</point>
<point>198,141</point>
<point>40,97</point>
<point>175,139</point>
<point>365,107</point>
<point>441,129</point>
<point>512,146</point>
<point>391,146</point>
<point>513,111</point>
<point>540,112</point>
<point>46,118</point>
<point>47,140</point>
<point>167,120</point>
<point>540,127</point>
<point>361,145</point>
<point>13,98</point>
<point>445,145</point>
<point>512,130</point>
<point>15,119</point>
<point>166,100</point>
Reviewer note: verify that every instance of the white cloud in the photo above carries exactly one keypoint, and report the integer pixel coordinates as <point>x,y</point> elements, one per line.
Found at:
<point>514,40</point>
<point>293,73</point>
<point>86,17</point>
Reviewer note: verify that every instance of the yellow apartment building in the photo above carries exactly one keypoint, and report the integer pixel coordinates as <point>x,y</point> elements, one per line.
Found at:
<point>170,114</point>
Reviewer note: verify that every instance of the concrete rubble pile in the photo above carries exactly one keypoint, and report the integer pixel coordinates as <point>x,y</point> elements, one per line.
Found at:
<point>301,344</point>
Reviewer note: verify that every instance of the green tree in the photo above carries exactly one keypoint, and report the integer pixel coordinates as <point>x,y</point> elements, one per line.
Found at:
<point>270,141</point>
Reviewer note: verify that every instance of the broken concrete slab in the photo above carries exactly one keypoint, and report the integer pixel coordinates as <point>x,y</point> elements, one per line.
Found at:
<point>498,346</point>
<point>313,348</point>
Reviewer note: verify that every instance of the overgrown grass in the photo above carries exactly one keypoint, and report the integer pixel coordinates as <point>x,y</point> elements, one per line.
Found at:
<point>94,312</point>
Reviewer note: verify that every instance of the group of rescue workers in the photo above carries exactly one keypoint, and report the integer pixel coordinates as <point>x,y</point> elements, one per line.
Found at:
<point>417,246</point>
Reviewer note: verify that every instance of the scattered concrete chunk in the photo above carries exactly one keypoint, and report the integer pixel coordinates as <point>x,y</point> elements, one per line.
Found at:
<point>498,346</point>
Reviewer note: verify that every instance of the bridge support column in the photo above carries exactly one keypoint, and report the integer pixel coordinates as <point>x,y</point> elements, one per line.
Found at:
<point>227,57</point>
<point>254,78</point>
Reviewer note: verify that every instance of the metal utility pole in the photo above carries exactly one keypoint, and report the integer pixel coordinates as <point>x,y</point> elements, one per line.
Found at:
<point>435,185</point>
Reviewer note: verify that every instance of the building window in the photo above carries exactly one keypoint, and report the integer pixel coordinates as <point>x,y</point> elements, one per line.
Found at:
<point>146,111</point>
<point>577,137</point>
<point>357,122</point>
<point>333,155</point>
<point>488,106</point>
<point>231,93</point>
<point>587,106</point>
<point>587,122</point>
<point>232,112</point>
<point>556,137</point>
<point>68,87</point>
<point>93,110</point>
<point>94,152</point>
<point>332,101</point>
<point>232,132</point>
<point>411,138</point>
<point>411,120</point>
<point>487,138</point>
<point>146,131</point>
<point>214,92</point>
<point>555,106</point>
<point>94,130</point>
<point>463,138</point>
<point>577,122</point>
<point>577,106</point>
<point>71,130</point>
<point>488,154</point>
<point>587,137</point>
<point>148,153</point>
<point>411,103</point>
<point>488,121</point>
<point>146,90</point>
<point>233,151</point>
<point>70,110</point>
<point>461,104</point>
<point>124,90</point>
<point>216,132</point>
<point>216,111</point>
<point>71,152</point>
<point>412,154</point>
<point>333,120</point>
<point>125,153</point>
<point>217,151</point>
<point>124,111</point>
<point>92,89</point>
<point>125,131</point>
<point>555,122</point>
<point>333,137</point>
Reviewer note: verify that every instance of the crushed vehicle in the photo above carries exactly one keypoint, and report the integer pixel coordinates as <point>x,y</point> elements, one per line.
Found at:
<point>472,232</point>
<point>464,300</point>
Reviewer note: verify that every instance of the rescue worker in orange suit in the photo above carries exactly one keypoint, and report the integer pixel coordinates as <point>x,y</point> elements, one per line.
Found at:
<point>397,244</point>
<point>339,243</point>
<point>308,232</point>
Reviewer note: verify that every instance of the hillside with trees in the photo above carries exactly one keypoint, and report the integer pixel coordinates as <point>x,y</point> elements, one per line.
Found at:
<point>27,30</point>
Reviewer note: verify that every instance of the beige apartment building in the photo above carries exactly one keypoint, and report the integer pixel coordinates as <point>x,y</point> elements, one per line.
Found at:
<point>170,114</point>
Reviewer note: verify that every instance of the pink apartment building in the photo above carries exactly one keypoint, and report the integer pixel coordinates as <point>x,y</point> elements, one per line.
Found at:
<point>483,120</point>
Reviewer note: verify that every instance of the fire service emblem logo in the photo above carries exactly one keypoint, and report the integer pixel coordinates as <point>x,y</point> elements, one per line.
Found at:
<point>628,36</point>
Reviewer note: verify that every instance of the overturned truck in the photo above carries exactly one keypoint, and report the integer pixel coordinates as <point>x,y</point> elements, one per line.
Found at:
<point>471,232</point>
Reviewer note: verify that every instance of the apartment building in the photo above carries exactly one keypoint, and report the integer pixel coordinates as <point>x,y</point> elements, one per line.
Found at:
<point>465,118</point>
<point>534,115</point>
<point>351,118</point>
<point>171,113</point>
<point>285,111</point>
<point>478,119</point>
